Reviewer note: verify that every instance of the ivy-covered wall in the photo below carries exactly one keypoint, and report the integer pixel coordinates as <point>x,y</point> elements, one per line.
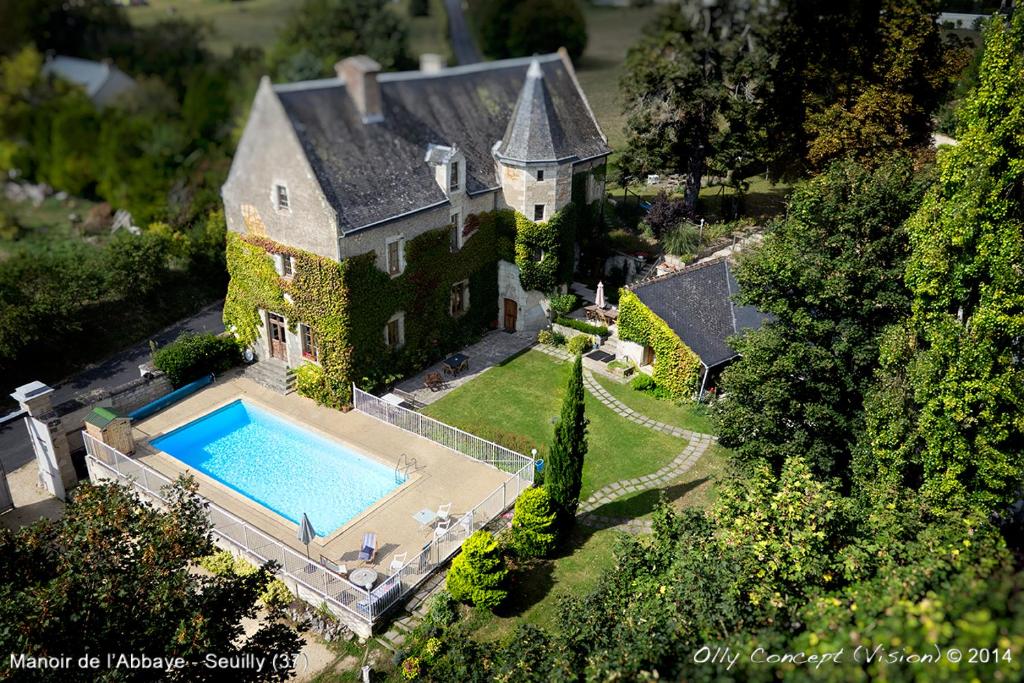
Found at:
<point>676,366</point>
<point>348,304</point>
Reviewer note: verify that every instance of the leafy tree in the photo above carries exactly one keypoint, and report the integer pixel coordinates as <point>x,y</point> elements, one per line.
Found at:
<point>900,72</point>
<point>690,90</point>
<point>533,525</point>
<point>948,415</point>
<point>519,28</point>
<point>86,28</point>
<point>564,476</point>
<point>322,32</point>
<point>786,529</point>
<point>478,572</point>
<point>665,214</point>
<point>830,274</point>
<point>112,576</point>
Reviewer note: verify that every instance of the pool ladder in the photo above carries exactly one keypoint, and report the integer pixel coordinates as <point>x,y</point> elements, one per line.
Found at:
<point>410,464</point>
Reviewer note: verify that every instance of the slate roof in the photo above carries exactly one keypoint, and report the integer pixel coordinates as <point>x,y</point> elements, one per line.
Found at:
<point>374,172</point>
<point>697,303</point>
<point>102,82</point>
<point>534,132</point>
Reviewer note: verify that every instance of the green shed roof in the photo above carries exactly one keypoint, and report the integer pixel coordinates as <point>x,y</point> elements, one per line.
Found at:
<point>101,417</point>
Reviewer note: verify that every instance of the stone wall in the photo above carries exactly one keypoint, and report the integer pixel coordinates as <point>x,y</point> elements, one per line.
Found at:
<point>122,400</point>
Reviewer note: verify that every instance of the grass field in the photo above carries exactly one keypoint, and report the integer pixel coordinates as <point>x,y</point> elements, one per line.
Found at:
<point>524,395</point>
<point>533,597</point>
<point>611,31</point>
<point>46,226</point>
<point>687,416</point>
<point>255,23</point>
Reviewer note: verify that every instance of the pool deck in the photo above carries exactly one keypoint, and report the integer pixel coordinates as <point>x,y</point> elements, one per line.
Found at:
<point>441,475</point>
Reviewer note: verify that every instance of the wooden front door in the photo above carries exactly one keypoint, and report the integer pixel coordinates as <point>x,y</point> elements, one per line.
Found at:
<point>648,357</point>
<point>511,310</point>
<point>276,334</point>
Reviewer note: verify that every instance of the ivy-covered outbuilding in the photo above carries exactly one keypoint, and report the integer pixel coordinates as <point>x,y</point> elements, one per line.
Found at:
<point>378,221</point>
<point>677,326</point>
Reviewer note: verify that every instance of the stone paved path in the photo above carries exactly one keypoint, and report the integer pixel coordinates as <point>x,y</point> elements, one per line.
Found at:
<point>697,444</point>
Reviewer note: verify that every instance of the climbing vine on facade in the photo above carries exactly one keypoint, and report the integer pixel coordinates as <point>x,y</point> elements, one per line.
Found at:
<point>676,366</point>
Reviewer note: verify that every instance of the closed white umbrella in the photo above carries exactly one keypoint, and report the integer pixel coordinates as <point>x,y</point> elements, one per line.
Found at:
<point>600,295</point>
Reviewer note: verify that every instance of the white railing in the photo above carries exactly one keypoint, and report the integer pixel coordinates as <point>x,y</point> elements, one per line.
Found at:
<point>332,588</point>
<point>453,438</point>
<point>327,585</point>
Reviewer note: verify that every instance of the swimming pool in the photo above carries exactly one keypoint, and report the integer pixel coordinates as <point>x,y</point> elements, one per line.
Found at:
<point>280,465</point>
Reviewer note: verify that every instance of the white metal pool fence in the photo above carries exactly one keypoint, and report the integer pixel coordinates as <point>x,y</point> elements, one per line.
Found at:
<point>453,438</point>
<point>338,592</point>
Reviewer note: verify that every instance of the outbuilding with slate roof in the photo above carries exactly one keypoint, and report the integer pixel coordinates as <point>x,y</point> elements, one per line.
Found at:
<point>698,303</point>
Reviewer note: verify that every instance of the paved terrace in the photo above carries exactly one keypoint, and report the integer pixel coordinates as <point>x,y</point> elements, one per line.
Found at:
<point>441,476</point>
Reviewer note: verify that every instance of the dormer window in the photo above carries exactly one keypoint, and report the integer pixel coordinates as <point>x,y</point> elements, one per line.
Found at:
<point>281,197</point>
<point>540,175</point>
<point>453,176</point>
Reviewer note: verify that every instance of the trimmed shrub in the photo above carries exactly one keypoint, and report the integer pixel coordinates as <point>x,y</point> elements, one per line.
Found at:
<point>580,326</point>
<point>443,610</point>
<point>551,338</point>
<point>533,525</point>
<point>643,382</point>
<point>478,572</point>
<point>580,344</point>
<point>192,356</point>
<point>563,304</point>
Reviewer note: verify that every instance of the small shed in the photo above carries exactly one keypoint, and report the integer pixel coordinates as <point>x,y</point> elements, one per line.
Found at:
<point>107,426</point>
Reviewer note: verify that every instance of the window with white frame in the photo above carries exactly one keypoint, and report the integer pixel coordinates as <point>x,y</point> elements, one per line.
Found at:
<point>287,265</point>
<point>460,298</point>
<point>395,256</point>
<point>394,331</point>
<point>281,202</point>
<point>310,344</point>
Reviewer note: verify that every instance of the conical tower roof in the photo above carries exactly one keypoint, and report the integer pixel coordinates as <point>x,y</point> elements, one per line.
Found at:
<point>534,133</point>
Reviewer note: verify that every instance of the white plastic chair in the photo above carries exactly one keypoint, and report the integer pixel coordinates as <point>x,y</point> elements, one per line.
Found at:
<point>442,528</point>
<point>398,561</point>
<point>444,512</point>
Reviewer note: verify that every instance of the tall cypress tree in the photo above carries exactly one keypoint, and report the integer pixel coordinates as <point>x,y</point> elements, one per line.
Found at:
<point>564,476</point>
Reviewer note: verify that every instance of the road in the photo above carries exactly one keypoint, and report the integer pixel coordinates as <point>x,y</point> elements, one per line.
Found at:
<point>463,45</point>
<point>114,371</point>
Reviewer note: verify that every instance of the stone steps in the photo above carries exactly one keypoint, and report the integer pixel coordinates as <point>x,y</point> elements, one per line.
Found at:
<point>272,374</point>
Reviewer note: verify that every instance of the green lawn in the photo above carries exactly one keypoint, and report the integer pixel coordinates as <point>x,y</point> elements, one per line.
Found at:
<point>687,416</point>
<point>516,403</point>
<point>255,23</point>
<point>693,489</point>
<point>533,598</point>
<point>611,31</point>
<point>46,226</point>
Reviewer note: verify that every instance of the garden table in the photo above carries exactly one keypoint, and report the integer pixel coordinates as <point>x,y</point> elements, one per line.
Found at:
<point>363,577</point>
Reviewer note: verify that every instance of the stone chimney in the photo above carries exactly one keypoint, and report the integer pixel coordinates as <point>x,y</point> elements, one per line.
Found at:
<point>360,76</point>
<point>431,63</point>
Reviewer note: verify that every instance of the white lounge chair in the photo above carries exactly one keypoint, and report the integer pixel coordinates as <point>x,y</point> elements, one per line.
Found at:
<point>398,561</point>
<point>442,528</point>
<point>444,512</point>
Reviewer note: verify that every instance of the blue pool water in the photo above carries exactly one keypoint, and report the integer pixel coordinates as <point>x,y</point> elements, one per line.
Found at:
<point>280,465</point>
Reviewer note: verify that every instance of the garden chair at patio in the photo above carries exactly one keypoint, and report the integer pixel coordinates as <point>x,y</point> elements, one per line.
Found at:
<point>444,512</point>
<point>369,547</point>
<point>442,528</point>
<point>398,561</point>
<point>434,381</point>
<point>333,566</point>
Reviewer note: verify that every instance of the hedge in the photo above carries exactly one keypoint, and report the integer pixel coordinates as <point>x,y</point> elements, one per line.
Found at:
<point>676,366</point>
<point>192,356</point>
<point>580,326</point>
